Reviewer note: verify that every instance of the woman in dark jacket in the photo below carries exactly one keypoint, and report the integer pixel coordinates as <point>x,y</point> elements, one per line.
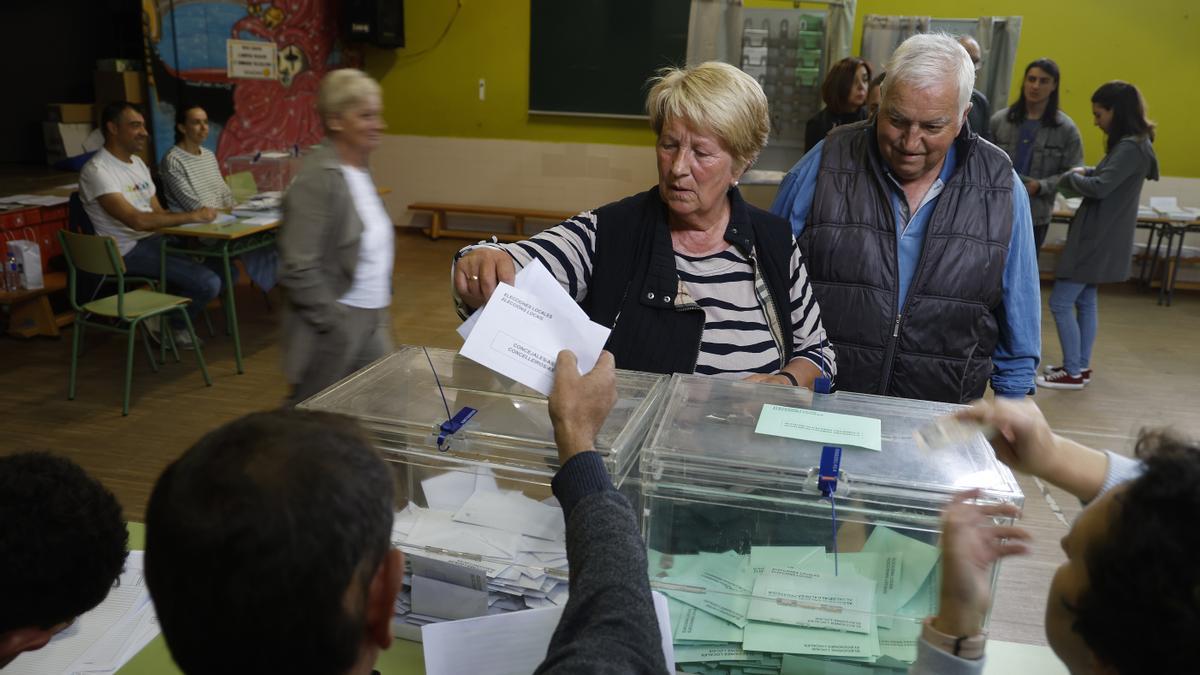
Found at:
<point>845,95</point>
<point>1099,246</point>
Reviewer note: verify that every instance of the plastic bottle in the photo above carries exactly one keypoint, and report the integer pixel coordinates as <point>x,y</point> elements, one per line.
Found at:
<point>12,274</point>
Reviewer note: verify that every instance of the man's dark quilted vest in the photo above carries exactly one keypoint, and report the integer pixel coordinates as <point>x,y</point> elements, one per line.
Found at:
<point>939,345</point>
<point>634,281</point>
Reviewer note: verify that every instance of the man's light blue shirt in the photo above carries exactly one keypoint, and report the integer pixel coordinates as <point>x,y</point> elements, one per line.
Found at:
<point>1019,317</point>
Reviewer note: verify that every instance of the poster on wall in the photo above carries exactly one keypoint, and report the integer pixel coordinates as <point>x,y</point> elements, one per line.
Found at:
<point>250,60</point>
<point>189,64</point>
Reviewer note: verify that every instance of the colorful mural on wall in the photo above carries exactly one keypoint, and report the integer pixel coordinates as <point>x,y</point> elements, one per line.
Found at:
<point>186,45</point>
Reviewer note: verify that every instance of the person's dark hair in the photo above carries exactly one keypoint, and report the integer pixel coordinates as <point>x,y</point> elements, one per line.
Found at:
<point>257,537</point>
<point>1016,111</point>
<point>1141,610</point>
<point>112,113</point>
<point>181,118</point>
<point>62,541</point>
<point>836,87</point>
<point>1128,109</point>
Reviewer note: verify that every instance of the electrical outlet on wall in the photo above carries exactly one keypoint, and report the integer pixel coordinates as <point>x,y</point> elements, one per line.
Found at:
<point>482,89</point>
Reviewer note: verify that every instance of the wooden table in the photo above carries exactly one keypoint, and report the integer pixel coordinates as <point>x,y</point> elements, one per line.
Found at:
<point>1162,228</point>
<point>231,240</point>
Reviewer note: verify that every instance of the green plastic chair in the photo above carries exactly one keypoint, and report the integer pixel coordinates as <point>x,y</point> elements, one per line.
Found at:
<point>98,255</point>
<point>242,185</point>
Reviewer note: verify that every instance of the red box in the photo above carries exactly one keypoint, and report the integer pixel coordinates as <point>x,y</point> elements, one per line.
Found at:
<point>54,213</point>
<point>15,219</point>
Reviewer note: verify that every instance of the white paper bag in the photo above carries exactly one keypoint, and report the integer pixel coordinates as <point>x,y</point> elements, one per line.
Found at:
<point>29,257</point>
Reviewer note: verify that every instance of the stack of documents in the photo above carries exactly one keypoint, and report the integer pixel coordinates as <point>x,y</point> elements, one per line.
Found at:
<point>33,200</point>
<point>1168,207</point>
<point>781,607</point>
<point>104,639</point>
<point>478,550</point>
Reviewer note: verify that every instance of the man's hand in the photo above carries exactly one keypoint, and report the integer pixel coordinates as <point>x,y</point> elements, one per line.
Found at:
<point>971,544</point>
<point>1032,187</point>
<point>204,214</point>
<point>477,273</point>
<point>579,404</point>
<point>1081,170</point>
<point>1024,441</point>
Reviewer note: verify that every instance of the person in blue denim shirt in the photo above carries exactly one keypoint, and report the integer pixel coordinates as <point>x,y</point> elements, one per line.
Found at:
<point>916,165</point>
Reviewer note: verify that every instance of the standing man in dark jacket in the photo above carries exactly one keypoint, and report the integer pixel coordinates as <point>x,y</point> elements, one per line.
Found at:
<point>919,241</point>
<point>980,115</point>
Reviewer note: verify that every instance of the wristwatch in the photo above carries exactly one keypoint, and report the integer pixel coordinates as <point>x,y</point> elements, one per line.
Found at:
<point>964,646</point>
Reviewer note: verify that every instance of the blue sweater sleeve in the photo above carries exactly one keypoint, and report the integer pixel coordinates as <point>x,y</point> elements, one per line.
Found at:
<point>1019,316</point>
<point>795,196</point>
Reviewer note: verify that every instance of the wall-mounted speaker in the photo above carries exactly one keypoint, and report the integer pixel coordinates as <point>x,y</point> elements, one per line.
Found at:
<point>376,22</point>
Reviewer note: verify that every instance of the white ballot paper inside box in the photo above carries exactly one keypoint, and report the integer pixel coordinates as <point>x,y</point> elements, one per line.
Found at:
<point>521,330</point>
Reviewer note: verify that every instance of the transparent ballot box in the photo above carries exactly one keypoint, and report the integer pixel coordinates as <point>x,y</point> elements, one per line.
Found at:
<point>268,171</point>
<point>476,517</point>
<point>762,574</point>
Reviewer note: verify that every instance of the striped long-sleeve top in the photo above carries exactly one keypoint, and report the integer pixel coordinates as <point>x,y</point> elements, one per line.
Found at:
<point>736,341</point>
<point>193,181</point>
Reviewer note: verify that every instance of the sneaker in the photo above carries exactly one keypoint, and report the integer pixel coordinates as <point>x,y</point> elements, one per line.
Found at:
<point>183,339</point>
<point>1061,380</point>
<point>1050,370</point>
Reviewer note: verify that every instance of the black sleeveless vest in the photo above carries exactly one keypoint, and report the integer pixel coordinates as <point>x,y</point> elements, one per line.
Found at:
<point>634,280</point>
<point>939,345</point>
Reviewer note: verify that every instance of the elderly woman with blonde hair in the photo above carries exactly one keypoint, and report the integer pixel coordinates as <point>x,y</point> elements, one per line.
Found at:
<point>336,245</point>
<point>689,276</point>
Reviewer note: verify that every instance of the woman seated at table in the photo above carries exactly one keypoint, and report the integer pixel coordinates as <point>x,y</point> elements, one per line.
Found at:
<point>336,246</point>
<point>689,276</point>
<point>192,179</point>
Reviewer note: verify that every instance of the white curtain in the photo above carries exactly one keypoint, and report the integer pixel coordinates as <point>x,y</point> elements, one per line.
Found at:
<point>839,32</point>
<point>882,34</point>
<point>998,38</point>
<point>715,32</point>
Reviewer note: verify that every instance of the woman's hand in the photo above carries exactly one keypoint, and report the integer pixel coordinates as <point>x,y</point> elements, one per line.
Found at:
<point>1032,187</point>
<point>1081,170</point>
<point>477,273</point>
<point>971,544</point>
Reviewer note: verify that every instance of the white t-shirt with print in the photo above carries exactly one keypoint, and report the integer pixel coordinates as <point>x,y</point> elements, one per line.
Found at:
<point>372,288</point>
<point>105,174</point>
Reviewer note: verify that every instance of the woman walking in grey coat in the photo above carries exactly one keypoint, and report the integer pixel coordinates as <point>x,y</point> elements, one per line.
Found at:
<point>1042,142</point>
<point>1100,242</point>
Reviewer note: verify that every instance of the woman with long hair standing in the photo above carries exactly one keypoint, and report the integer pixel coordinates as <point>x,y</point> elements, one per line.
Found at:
<point>1042,142</point>
<point>1100,242</point>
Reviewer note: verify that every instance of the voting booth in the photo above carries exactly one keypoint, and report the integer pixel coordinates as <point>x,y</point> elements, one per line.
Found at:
<point>765,573</point>
<point>476,517</point>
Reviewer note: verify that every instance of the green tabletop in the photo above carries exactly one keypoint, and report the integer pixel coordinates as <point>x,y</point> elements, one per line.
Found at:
<point>403,658</point>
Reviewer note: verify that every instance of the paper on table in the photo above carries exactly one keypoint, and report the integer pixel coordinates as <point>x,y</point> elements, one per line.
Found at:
<point>447,601</point>
<point>762,557</point>
<point>259,220</point>
<point>1164,203</point>
<point>803,665</point>
<point>506,644</point>
<point>513,513</point>
<point>772,637</point>
<point>919,559</point>
<point>39,200</point>
<point>820,427</point>
<point>520,334</point>
<point>104,633</point>
<point>842,603</point>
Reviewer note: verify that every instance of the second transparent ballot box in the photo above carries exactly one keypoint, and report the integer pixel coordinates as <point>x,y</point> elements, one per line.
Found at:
<point>764,571</point>
<point>477,513</point>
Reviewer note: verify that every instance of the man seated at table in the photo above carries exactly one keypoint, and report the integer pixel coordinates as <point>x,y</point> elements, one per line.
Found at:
<point>119,198</point>
<point>1127,599</point>
<point>268,546</point>
<point>62,545</point>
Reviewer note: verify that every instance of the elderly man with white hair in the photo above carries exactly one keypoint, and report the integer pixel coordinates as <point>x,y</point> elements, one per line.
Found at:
<point>336,245</point>
<point>918,240</point>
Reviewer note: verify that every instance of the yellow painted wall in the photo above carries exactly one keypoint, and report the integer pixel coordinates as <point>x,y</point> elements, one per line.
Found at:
<point>1154,44</point>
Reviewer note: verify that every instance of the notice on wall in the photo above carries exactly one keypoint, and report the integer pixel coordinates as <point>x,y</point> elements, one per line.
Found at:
<point>251,60</point>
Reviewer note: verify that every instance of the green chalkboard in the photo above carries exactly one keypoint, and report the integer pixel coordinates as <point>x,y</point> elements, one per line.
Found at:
<point>593,57</point>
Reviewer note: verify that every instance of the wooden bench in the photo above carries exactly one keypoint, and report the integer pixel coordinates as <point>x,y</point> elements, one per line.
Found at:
<point>31,313</point>
<point>438,227</point>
